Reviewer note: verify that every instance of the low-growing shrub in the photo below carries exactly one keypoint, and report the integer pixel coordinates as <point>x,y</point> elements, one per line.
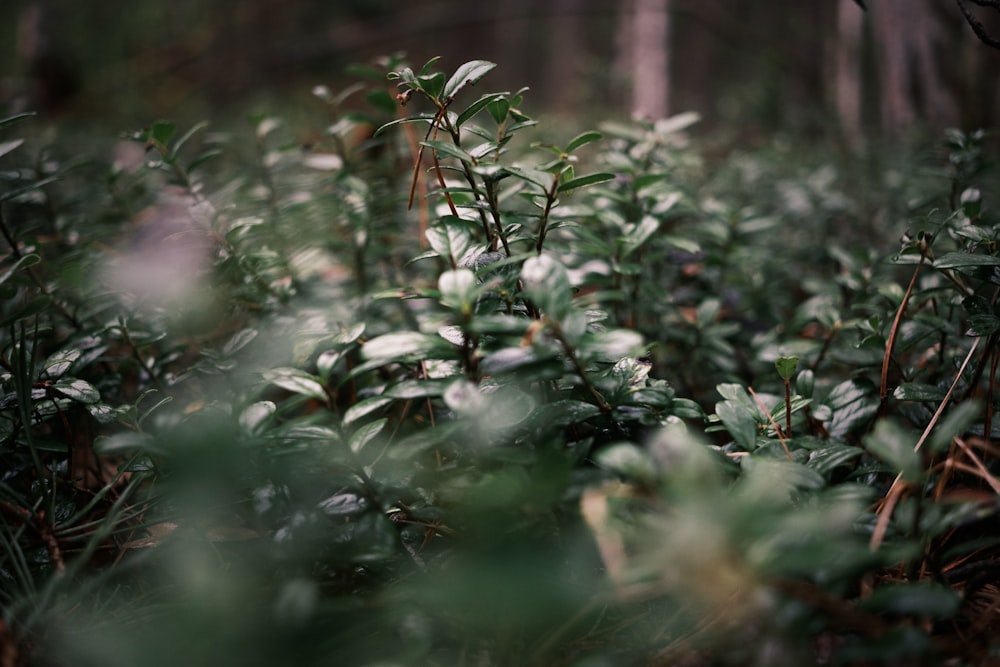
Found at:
<point>428,392</point>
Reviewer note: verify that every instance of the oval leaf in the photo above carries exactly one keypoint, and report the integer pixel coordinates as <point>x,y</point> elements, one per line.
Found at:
<point>467,74</point>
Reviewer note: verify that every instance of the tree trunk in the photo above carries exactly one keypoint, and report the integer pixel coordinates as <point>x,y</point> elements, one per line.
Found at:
<point>650,58</point>
<point>893,27</point>
<point>847,71</point>
<point>565,75</point>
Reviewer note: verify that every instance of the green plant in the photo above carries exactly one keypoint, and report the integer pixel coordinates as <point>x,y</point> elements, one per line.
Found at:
<point>456,396</point>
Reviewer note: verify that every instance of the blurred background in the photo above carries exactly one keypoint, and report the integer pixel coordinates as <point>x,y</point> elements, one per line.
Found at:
<point>808,67</point>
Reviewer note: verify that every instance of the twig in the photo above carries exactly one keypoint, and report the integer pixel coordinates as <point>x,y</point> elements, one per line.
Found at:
<point>891,342</point>
<point>777,429</point>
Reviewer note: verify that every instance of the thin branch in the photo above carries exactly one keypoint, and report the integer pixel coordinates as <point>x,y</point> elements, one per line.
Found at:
<point>976,24</point>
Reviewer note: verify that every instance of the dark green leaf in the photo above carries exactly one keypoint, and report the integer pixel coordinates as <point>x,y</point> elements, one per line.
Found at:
<point>162,131</point>
<point>582,140</point>
<point>629,461</point>
<point>448,149</point>
<point>852,404</point>
<point>826,460</point>
<point>296,382</point>
<point>365,434</point>
<point>917,391</point>
<point>468,74</point>
<point>924,598</point>
<point>10,120</point>
<point>421,118</point>
<point>983,325</point>
<point>786,366</point>
<point>399,346</point>
<point>22,263</point>
<point>450,237</point>
<point>8,146</point>
<point>478,106</point>
<point>895,446</point>
<point>581,181</point>
<point>77,390</point>
<point>31,308</point>
<point>960,260</point>
<point>364,408</point>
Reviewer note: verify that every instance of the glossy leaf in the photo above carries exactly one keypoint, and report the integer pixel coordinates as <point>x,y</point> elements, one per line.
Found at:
<point>468,74</point>
<point>365,434</point>
<point>581,181</point>
<point>297,382</point>
<point>582,140</point>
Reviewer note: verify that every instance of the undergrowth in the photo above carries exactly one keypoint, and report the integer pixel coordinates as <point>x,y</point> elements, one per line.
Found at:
<point>423,391</point>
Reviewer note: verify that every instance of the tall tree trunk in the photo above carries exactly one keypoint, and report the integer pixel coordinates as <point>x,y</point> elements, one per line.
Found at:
<point>650,58</point>
<point>847,71</point>
<point>893,27</point>
<point>566,74</point>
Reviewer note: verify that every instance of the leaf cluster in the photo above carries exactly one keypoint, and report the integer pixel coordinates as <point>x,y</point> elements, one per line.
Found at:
<point>426,392</point>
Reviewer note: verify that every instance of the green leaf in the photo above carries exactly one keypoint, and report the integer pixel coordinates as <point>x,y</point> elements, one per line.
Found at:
<point>547,284</point>
<point>432,84</point>
<point>450,237</point>
<point>30,309</point>
<point>582,140</point>
<point>464,398</point>
<point>8,146</point>
<point>922,598</point>
<point>628,461</point>
<point>740,422</point>
<point>894,445</point>
<point>297,382</point>
<point>10,120</point>
<point>400,346</point>
<point>635,237</point>
<point>420,118</point>
<point>853,404</point>
<point>478,106</point>
<point>983,325</point>
<point>498,109</point>
<point>918,391</point>
<point>364,408</point>
<point>448,149</point>
<point>411,389</point>
<point>958,420</point>
<point>826,460</point>
<point>22,263</point>
<point>80,391</point>
<point>581,181</point>
<point>458,289</point>
<point>468,74</point>
<point>238,341</point>
<point>786,366</point>
<point>563,413</point>
<point>960,260</point>
<point>365,434</point>
<point>60,362</point>
<point>162,131</point>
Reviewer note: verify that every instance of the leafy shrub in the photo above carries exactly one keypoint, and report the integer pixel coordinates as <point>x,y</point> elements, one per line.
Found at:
<point>432,394</point>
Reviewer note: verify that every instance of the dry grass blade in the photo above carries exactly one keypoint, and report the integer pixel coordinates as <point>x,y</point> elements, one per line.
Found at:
<point>892,496</point>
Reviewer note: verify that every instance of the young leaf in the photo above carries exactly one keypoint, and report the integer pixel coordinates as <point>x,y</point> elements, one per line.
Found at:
<point>786,366</point>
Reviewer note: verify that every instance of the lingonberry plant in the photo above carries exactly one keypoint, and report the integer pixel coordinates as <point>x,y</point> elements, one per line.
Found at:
<point>434,390</point>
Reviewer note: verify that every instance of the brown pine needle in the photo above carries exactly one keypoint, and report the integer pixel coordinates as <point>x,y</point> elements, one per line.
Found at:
<point>892,496</point>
